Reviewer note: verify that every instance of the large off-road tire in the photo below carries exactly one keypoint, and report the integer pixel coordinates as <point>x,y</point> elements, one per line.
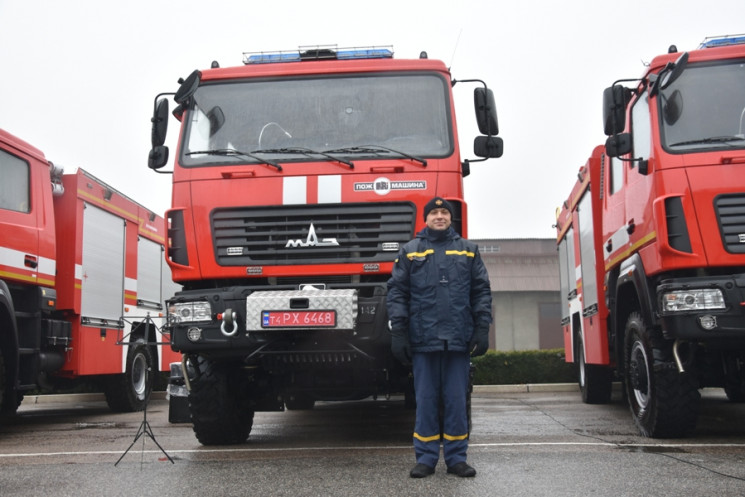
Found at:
<point>663,402</point>
<point>595,381</point>
<point>218,402</point>
<point>130,391</point>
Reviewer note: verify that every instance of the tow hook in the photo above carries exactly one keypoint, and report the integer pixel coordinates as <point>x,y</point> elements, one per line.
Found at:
<point>229,321</point>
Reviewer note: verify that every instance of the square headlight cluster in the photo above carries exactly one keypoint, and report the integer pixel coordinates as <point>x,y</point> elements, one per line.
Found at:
<point>700,299</point>
<point>189,312</point>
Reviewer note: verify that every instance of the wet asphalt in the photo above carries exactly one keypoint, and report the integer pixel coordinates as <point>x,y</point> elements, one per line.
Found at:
<point>526,441</point>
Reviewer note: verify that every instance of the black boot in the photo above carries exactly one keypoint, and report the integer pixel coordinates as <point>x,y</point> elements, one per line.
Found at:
<point>462,469</point>
<point>421,470</point>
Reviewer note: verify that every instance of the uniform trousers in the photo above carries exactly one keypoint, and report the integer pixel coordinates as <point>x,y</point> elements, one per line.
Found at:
<point>441,388</point>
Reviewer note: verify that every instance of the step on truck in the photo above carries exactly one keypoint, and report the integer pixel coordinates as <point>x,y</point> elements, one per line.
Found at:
<point>651,241</point>
<point>298,176</point>
<point>82,284</point>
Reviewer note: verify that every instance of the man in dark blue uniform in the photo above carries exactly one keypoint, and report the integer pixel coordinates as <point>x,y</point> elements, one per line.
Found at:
<point>439,306</point>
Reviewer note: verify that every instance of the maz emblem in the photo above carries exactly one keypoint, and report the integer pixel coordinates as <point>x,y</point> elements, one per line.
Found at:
<point>312,240</point>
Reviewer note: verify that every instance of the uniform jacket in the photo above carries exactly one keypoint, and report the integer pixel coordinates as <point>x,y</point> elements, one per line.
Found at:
<point>438,291</point>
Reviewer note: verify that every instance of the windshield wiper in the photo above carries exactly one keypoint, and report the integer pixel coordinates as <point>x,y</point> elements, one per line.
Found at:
<point>305,151</point>
<point>376,149</point>
<point>713,139</point>
<point>234,152</point>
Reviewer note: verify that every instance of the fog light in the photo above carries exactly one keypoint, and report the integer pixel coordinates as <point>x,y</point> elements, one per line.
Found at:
<point>707,322</point>
<point>194,334</point>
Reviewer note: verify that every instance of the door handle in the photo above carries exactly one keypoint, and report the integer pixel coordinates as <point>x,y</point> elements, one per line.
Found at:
<point>30,261</point>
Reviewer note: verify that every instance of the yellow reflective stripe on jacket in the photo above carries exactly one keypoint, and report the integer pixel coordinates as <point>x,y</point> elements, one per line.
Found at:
<point>427,252</point>
<point>460,252</point>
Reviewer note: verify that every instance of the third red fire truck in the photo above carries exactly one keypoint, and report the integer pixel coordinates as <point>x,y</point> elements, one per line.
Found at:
<point>652,241</point>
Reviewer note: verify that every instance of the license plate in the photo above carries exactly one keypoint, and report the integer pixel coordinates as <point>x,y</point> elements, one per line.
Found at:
<point>298,319</point>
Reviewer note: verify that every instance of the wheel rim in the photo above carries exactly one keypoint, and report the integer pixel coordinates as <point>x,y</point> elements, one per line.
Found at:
<point>639,375</point>
<point>139,371</point>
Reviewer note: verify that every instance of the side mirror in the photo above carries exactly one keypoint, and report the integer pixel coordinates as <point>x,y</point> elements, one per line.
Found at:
<point>216,118</point>
<point>160,123</point>
<point>615,99</point>
<point>188,87</point>
<point>158,157</point>
<point>488,146</point>
<point>618,145</point>
<point>670,73</point>
<point>673,108</point>
<point>486,111</point>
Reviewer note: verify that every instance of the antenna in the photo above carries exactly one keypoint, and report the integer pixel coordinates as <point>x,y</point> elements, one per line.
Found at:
<point>455,48</point>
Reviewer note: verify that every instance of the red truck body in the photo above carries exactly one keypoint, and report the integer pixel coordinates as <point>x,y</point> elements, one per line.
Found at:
<point>297,178</point>
<point>652,241</point>
<point>79,294</point>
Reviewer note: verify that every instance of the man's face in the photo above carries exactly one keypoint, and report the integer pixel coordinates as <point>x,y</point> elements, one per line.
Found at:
<point>439,219</point>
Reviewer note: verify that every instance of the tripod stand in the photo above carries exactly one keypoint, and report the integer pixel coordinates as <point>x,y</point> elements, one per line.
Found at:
<point>144,429</point>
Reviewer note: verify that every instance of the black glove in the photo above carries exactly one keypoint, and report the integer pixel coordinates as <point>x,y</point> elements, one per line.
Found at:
<point>480,340</point>
<point>400,346</point>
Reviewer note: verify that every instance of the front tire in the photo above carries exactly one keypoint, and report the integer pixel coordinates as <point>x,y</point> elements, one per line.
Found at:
<point>663,402</point>
<point>130,391</point>
<point>218,403</point>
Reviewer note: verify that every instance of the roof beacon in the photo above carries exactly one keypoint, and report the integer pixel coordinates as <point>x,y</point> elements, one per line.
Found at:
<point>722,41</point>
<point>320,52</point>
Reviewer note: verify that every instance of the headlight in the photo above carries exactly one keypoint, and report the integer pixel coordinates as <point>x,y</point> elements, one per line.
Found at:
<point>189,312</point>
<point>693,300</point>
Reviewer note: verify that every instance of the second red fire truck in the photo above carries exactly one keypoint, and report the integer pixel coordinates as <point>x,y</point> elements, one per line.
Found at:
<point>651,241</point>
<point>82,283</point>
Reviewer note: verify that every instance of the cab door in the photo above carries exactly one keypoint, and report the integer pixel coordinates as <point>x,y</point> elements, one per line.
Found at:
<point>19,244</point>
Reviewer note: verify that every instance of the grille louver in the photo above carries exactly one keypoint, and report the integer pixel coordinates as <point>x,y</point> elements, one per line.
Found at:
<point>730,211</point>
<point>250,236</point>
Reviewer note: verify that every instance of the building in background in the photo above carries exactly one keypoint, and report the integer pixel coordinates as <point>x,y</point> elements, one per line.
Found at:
<point>524,275</point>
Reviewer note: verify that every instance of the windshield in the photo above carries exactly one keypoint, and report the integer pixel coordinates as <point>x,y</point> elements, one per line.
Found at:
<point>354,117</point>
<point>704,108</point>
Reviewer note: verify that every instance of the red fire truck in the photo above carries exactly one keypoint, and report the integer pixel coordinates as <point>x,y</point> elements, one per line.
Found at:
<point>82,283</point>
<point>651,241</point>
<point>298,177</point>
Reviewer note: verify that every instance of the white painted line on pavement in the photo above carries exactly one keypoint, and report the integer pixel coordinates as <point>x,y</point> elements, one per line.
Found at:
<point>387,448</point>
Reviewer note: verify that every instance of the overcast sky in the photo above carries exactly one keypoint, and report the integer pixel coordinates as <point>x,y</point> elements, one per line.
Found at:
<point>78,77</point>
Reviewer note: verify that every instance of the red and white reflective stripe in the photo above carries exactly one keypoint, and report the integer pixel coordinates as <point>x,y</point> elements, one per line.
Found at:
<point>295,189</point>
<point>13,265</point>
<point>329,189</point>
<point>130,289</point>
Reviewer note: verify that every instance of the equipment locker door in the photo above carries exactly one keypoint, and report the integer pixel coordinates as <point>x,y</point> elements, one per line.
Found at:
<point>587,257</point>
<point>150,261</point>
<point>102,292</point>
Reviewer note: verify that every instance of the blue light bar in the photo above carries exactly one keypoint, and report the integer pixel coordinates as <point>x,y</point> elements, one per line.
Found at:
<point>271,57</point>
<point>365,53</point>
<point>722,41</point>
<point>318,53</point>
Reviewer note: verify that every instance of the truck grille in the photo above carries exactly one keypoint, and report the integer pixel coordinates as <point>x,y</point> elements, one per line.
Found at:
<point>730,211</point>
<point>341,233</point>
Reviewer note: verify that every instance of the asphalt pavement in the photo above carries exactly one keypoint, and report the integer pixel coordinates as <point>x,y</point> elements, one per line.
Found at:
<point>527,440</point>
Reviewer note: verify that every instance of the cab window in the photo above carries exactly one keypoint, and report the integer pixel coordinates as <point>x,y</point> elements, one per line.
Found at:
<point>14,188</point>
